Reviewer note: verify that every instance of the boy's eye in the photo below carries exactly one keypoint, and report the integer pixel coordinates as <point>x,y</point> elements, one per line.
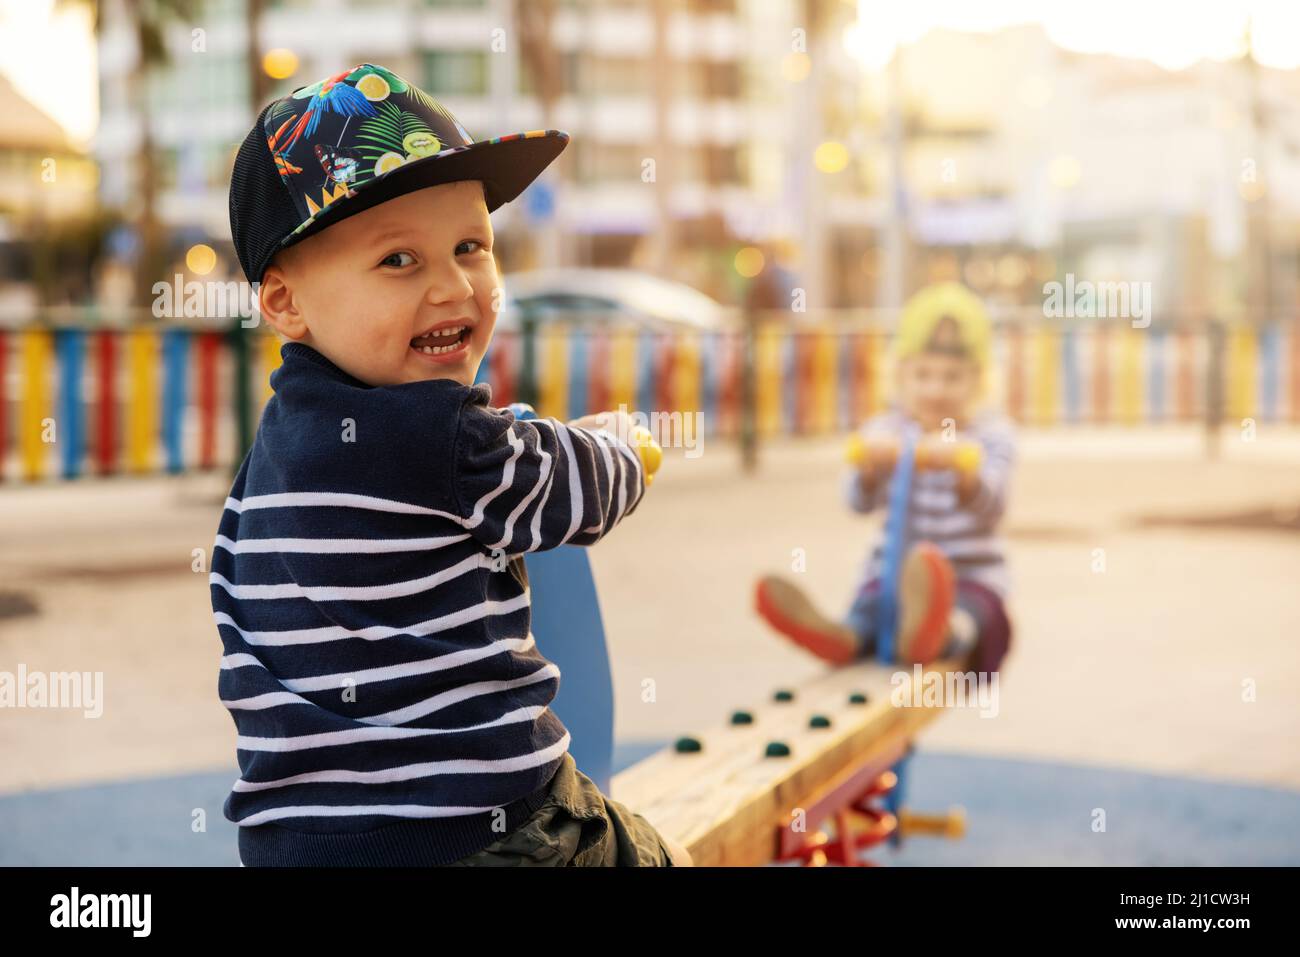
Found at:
<point>468,246</point>
<point>394,259</point>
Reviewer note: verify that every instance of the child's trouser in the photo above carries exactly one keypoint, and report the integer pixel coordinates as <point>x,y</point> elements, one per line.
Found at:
<point>992,636</point>
<point>578,826</point>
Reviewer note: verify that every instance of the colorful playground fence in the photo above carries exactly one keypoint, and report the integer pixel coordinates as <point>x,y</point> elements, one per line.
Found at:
<point>81,402</point>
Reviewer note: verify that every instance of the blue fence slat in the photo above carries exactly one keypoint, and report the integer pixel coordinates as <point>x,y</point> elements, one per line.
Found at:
<point>176,347</point>
<point>1156,365</point>
<point>71,428</point>
<point>579,373</point>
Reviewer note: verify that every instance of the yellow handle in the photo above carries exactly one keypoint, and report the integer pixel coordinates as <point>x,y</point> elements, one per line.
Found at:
<point>966,456</point>
<point>856,450</point>
<point>648,449</point>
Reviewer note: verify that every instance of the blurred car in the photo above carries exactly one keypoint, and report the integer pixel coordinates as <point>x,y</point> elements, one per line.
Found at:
<point>593,298</point>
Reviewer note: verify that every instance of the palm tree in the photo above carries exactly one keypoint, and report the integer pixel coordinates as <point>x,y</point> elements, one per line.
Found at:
<point>545,68</point>
<point>149,21</point>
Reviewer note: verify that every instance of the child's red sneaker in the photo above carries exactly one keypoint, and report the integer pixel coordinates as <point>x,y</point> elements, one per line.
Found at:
<point>927,589</point>
<point>788,610</point>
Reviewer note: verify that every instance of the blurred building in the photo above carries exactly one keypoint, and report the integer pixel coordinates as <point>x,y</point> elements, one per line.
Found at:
<point>595,207</point>
<point>46,182</point>
<point>702,125</point>
<point>1024,162</point>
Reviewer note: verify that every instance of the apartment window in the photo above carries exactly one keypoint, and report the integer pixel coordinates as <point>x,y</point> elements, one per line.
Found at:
<point>608,163</point>
<point>722,164</point>
<point>614,76</point>
<point>704,79</point>
<point>452,72</point>
<point>570,75</point>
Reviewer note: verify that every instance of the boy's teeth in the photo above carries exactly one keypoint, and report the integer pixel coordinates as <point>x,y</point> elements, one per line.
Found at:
<point>440,340</point>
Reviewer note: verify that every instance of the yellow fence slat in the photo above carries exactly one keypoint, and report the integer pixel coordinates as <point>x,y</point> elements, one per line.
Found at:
<point>34,403</point>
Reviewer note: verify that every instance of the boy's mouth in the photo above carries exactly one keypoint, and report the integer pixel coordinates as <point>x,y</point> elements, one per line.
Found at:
<point>443,342</point>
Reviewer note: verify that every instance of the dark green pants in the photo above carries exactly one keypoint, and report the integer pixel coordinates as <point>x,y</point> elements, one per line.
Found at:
<point>576,827</point>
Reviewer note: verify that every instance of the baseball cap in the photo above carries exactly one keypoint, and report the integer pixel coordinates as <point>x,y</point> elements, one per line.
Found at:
<point>350,141</point>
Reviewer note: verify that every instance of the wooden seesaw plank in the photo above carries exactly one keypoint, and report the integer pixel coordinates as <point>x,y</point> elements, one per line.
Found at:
<point>729,802</point>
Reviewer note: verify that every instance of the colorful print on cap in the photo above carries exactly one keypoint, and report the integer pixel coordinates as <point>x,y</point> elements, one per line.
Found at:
<point>345,131</point>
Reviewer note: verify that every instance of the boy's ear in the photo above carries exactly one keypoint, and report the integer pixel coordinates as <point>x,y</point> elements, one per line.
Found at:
<point>279,305</point>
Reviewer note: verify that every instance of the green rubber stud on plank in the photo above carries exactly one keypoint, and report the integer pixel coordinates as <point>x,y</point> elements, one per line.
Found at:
<point>857,697</point>
<point>741,717</point>
<point>777,749</point>
<point>783,694</point>
<point>819,721</point>
<point>688,745</point>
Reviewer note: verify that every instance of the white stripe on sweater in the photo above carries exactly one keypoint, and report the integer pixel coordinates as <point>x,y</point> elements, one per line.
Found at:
<point>543,472</point>
<point>535,530</point>
<point>333,739</point>
<point>456,695</point>
<point>430,626</point>
<point>331,546</point>
<point>507,479</point>
<point>353,592</point>
<point>407,772</point>
<point>425,666</point>
<point>335,500</point>
<point>276,699</point>
<point>575,484</point>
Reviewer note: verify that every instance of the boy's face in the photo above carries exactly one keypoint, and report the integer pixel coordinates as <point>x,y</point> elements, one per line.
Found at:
<point>363,290</point>
<point>934,386</point>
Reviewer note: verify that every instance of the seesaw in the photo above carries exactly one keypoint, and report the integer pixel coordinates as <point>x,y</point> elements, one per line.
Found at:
<point>756,789</point>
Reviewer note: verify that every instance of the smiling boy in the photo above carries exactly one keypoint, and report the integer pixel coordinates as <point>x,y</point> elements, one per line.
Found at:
<point>404,293</point>
<point>367,576</point>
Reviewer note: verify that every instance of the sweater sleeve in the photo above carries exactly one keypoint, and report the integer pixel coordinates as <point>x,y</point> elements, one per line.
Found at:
<point>530,485</point>
<point>997,460</point>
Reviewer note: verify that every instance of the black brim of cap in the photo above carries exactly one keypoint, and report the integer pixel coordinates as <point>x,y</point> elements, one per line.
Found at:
<point>505,166</point>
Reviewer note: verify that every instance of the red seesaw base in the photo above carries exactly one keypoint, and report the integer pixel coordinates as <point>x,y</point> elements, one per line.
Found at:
<point>859,824</point>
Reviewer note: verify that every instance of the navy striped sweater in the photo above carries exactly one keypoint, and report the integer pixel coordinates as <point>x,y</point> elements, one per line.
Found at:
<point>390,702</point>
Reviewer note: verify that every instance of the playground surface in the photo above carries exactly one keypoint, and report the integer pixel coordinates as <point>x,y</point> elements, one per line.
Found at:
<point>1153,674</point>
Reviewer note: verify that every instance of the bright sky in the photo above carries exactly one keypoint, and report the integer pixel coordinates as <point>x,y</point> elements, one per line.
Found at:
<point>1173,33</point>
<point>47,49</point>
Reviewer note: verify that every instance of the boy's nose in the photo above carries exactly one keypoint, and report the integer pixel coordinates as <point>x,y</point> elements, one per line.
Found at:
<point>449,285</point>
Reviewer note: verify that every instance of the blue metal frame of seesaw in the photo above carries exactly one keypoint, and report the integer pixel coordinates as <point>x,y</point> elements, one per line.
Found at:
<point>892,562</point>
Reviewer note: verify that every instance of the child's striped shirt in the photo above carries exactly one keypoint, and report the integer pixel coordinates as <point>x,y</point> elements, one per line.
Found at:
<point>369,592</point>
<point>967,534</point>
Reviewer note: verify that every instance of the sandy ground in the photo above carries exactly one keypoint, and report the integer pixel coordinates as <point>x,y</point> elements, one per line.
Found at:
<point>1141,665</point>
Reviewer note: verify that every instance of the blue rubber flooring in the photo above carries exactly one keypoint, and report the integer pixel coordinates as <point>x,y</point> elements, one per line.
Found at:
<point>1018,813</point>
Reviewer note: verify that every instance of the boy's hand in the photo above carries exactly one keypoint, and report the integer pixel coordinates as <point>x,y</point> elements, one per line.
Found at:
<point>941,454</point>
<point>638,437</point>
<point>876,456</point>
<point>961,457</point>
